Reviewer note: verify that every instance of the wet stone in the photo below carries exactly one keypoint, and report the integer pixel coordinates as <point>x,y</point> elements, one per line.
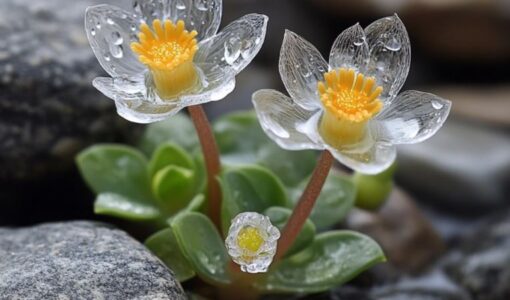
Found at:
<point>80,260</point>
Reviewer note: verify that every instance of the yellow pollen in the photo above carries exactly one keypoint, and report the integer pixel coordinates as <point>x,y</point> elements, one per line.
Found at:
<point>168,50</point>
<point>350,100</point>
<point>249,239</point>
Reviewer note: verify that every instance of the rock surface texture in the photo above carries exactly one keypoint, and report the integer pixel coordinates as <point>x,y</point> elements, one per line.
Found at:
<point>80,260</point>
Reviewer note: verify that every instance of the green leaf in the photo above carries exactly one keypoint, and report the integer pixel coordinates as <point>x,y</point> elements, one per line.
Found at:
<point>177,129</point>
<point>174,187</point>
<point>242,141</point>
<point>279,217</point>
<point>164,245</point>
<point>122,207</point>
<point>333,259</point>
<point>195,205</point>
<point>334,203</point>
<point>249,188</point>
<point>116,169</point>
<point>202,245</point>
<point>170,154</point>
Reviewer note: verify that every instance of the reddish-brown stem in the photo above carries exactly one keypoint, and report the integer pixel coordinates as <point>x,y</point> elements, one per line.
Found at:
<point>212,160</point>
<point>305,205</point>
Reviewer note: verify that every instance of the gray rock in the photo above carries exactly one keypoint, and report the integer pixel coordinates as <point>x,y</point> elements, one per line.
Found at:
<point>80,260</point>
<point>481,264</point>
<point>48,107</point>
<point>464,167</point>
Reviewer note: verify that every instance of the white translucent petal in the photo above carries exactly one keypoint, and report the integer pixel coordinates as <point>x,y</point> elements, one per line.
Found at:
<point>230,51</point>
<point>280,118</point>
<point>390,54</point>
<point>350,50</point>
<point>204,16</point>
<point>110,31</point>
<point>369,156</point>
<point>411,118</point>
<point>301,67</point>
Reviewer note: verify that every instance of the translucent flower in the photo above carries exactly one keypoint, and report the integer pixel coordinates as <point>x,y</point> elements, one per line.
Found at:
<point>251,242</point>
<point>350,106</point>
<point>166,54</point>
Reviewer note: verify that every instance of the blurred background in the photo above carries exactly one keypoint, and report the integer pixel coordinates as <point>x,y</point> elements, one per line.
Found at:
<point>459,179</point>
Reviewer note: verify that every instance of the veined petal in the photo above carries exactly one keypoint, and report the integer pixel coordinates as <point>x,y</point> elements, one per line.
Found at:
<point>411,118</point>
<point>231,50</point>
<point>110,31</point>
<point>280,118</point>
<point>390,54</point>
<point>301,67</point>
<point>368,159</point>
<point>204,16</point>
<point>350,50</point>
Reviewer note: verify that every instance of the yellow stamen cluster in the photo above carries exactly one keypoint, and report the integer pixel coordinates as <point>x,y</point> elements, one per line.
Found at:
<point>350,100</point>
<point>249,239</point>
<point>168,50</point>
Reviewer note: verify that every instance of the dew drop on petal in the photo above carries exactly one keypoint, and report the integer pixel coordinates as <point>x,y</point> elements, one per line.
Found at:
<point>93,32</point>
<point>202,5</point>
<point>232,50</point>
<point>393,44</point>
<point>180,5</point>
<point>437,104</point>
<point>110,21</point>
<point>117,51</point>
<point>117,38</point>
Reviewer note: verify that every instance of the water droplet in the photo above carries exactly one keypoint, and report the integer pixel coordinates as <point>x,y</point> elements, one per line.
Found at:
<point>306,72</point>
<point>393,44</point>
<point>257,41</point>
<point>246,47</point>
<point>117,51</point>
<point>180,5</point>
<point>359,41</point>
<point>107,57</point>
<point>202,5</point>
<point>117,38</point>
<point>124,16</point>
<point>232,50</point>
<point>437,105</point>
<point>93,32</point>
<point>110,21</point>
<point>98,25</point>
<point>133,27</point>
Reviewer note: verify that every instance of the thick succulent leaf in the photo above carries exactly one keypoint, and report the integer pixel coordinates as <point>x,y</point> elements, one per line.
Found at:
<point>333,259</point>
<point>174,187</point>
<point>164,245</point>
<point>249,188</point>
<point>411,118</point>
<point>390,54</point>
<point>350,50</point>
<point>242,141</point>
<point>203,247</point>
<point>119,206</point>
<point>301,67</point>
<point>170,154</point>
<point>279,217</point>
<point>178,129</point>
<point>334,203</point>
<point>116,169</point>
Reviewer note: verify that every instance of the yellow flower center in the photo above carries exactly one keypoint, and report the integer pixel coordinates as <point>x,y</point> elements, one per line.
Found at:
<point>168,50</point>
<point>249,239</point>
<point>350,100</point>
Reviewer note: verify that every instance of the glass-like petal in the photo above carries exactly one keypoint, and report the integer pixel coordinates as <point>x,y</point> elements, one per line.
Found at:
<point>411,118</point>
<point>350,50</point>
<point>301,67</point>
<point>390,54</point>
<point>110,31</point>
<point>280,117</point>
<point>231,50</point>
<point>204,16</point>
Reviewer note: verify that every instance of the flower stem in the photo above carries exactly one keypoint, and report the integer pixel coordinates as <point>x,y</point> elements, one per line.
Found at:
<point>305,205</point>
<point>212,160</point>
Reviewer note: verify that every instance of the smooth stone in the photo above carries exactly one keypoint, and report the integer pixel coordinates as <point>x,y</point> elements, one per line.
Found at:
<point>463,168</point>
<point>400,228</point>
<point>80,260</point>
<point>481,261</point>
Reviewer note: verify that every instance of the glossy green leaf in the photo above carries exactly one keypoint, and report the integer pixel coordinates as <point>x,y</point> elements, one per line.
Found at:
<point>116,205</point>
<point>178,129</point>
<point>242,141</point>
<point>164,245</point>
<point>116,169</point>
<point>333,259</point>
<point>195,205</point>
<point>279,217</point>
<point>249,188</point>
<point>170,154</point>
<point>174,187</point>
<point>334,203</point>
<point>202,245</point>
